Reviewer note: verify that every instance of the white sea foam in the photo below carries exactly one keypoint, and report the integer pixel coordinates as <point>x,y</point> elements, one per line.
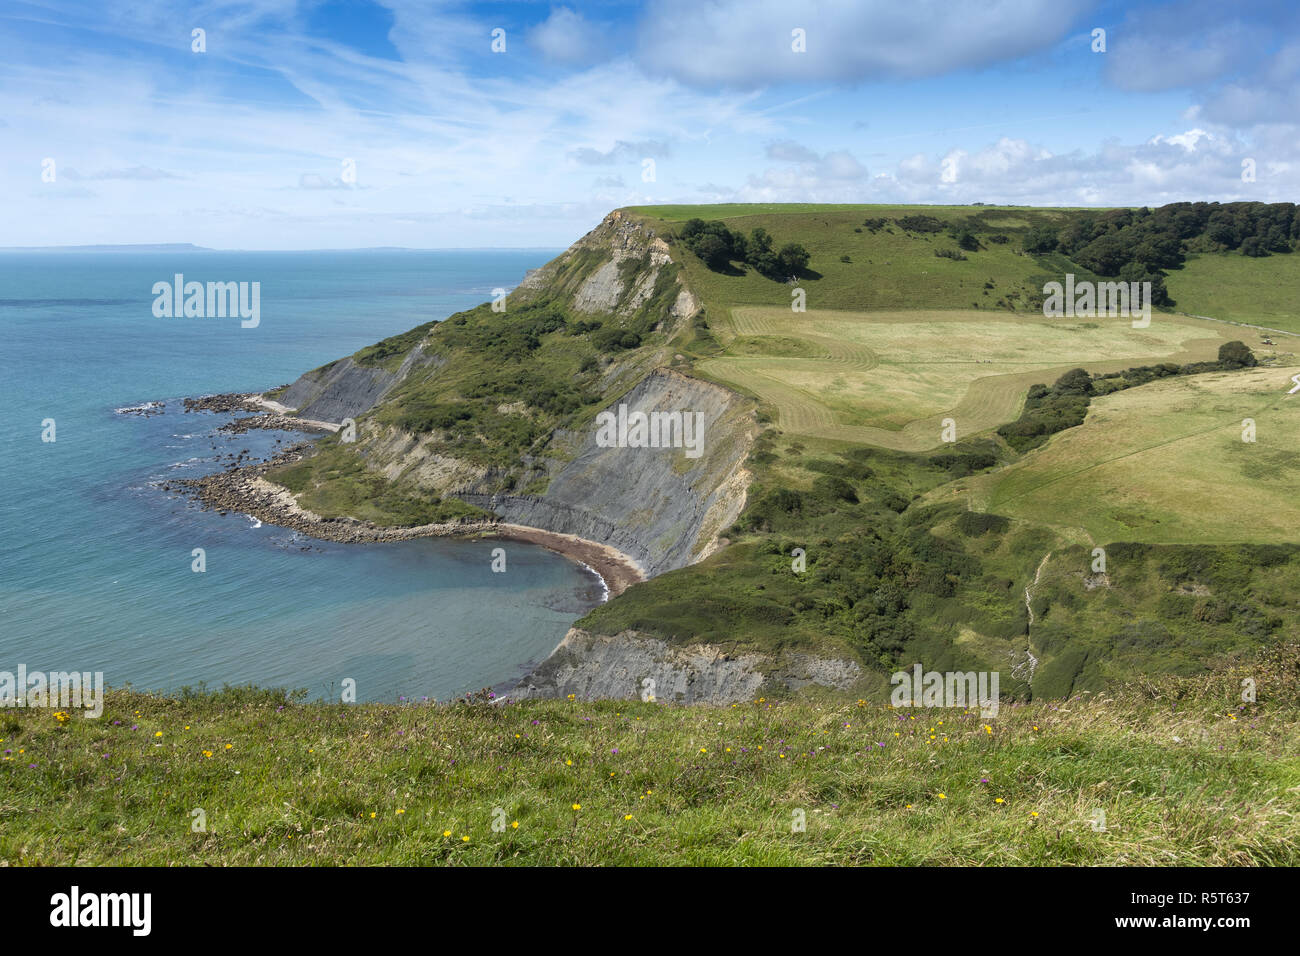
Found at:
<point>189,462</point>
<point>604,585</point>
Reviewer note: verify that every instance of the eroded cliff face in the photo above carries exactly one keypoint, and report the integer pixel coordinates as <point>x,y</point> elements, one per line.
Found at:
<point>612,269</point>
<point>630,666</point>
<point>344,389</point>
<point>660,506</point>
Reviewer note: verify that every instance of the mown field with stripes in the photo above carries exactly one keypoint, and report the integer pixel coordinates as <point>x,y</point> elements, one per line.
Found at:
<point>891,378</point>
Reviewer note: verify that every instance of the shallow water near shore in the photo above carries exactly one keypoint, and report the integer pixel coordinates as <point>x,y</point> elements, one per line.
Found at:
<point>95,569</point>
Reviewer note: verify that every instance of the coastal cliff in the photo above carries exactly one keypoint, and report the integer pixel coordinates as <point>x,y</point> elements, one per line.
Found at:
<point>659,506</point>
<point>344,389</point>
<point>430,404</point>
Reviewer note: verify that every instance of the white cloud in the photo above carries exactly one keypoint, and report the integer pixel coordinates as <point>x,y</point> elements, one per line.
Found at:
<point>1178,45</point>
<point>1187,140</point>
<point>1241,61</point>
<point>748,43</point>
<point>442,136</point>
<point>566,37</point>
<point>620,152</point>
<point>1164,169</point>
<point>815,171</point>
<point>788,151</point>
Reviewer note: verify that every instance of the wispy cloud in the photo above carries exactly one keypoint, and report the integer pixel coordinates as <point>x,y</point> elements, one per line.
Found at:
<point>246,143</point>
<point>143,173</point>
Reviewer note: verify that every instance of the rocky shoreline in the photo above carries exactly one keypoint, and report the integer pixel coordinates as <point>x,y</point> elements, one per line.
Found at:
<point>227,402</point>
<point>272,422</point>
<point>245,490</point>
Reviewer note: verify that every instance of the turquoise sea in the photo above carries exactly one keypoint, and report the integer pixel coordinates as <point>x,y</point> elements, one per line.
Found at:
<point>95,558</point>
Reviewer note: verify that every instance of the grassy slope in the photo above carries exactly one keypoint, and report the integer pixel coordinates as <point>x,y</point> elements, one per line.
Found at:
<point>890,589</point>
<point>1240,289</point>
<point>502,385</point>
<point>1182,770</point>
<point>889,269</point>
<point>1166,463</point>
<point>334,481</point>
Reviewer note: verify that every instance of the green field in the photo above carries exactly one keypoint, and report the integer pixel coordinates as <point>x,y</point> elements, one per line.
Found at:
<point>890,378</point>
<point>1166,463</point>
<point>1241,289</point>
<point>891,268</point>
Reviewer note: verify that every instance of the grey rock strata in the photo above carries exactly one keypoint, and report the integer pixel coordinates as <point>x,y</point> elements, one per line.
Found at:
<point>630,666</point>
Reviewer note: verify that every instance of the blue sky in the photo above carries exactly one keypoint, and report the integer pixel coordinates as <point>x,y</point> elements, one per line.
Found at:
<point>347,124</point>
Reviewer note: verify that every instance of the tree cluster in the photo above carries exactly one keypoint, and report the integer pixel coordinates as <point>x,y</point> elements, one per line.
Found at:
<point>718,247</point>
<point>1064,405</point>
<point>1138,245</point>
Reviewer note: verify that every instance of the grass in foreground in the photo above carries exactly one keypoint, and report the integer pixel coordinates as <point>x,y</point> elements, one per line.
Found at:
<point>1177,772</point>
